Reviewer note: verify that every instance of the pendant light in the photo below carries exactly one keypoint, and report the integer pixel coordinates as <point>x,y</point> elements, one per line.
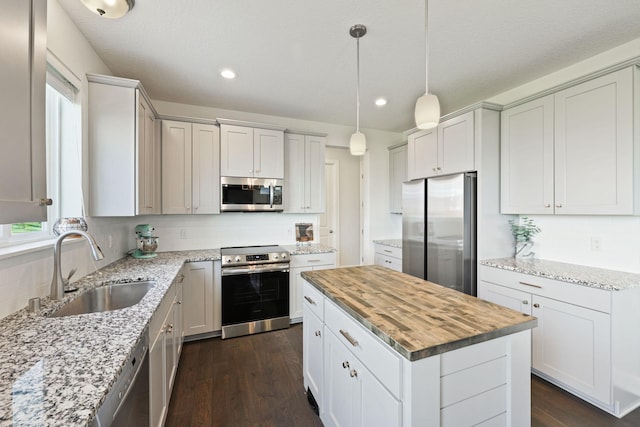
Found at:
<point>109,8</point>
<point>427,113</point>
<point>358,143</point>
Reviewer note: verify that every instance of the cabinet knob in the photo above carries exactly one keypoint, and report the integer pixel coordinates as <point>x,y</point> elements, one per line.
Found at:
<point>536,305</point>
<point>45,202</point>
<point>525,302</point>
<point>547,205</point>
<point>434,169</point>
<point>439,168</point>
<point>353,373</point>
<point>345,364</point>
<point>169,328</point>
<point>558,206</point>
<point>317,333</point>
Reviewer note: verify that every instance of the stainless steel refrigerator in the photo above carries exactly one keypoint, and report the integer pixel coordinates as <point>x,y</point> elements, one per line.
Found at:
<point>439,230</point>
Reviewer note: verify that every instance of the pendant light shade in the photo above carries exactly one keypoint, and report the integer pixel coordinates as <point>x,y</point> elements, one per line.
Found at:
<point>109,8</point>
<point>358,142</point>
<point>427,112</point>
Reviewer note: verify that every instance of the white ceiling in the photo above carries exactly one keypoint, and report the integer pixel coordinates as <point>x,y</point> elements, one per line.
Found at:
<point>295,58</point>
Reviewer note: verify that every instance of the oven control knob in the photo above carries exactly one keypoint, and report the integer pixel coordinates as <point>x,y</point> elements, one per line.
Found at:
<point>227,260</point>
<point>284,256</point>
<point>237,259</point>
<point>276,257</point>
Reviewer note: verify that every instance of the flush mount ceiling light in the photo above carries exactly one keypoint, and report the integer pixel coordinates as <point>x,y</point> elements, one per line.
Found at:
<point>427,113</point>
<point>228,74</point>
<point>380,102</point>
<point>109,8</point>
<point>358,143</point>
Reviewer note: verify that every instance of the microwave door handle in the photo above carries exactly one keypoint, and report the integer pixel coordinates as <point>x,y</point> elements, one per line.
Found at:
<point>272,190</point>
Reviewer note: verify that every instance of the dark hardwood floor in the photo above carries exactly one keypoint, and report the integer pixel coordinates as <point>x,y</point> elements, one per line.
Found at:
<point>257,381</point>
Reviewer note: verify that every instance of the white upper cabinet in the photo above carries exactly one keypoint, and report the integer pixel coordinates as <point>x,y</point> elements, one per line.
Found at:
<point>190,168</point>
<point>124,153</point>
<point>527,158</point>
<point>447,149</point>
<point>22,111</point>
<point>397,175</point>
<point>572,152</point>
<point>304,157</point>
<point>249,152</point>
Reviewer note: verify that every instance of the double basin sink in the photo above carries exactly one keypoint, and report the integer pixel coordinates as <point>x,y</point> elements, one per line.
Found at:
<point>106,298</point>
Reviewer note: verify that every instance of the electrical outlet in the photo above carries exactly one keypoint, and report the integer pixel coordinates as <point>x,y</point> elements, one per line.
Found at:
<point>596,244</point>
<point>183,233</point>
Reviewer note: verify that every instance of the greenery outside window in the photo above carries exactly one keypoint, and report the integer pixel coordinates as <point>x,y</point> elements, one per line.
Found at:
<point>64,170</point>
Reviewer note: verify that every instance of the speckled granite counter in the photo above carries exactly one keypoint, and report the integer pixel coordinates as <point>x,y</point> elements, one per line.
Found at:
<point>315,248</point>
<point>394,243</point>
<point>579,274</point>
<point>57,371</point>
<point>415,317</point>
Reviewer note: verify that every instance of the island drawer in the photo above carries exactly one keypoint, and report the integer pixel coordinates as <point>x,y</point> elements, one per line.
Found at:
<point>377,356</point>
<point>313,298</point>
<point>582,295</point>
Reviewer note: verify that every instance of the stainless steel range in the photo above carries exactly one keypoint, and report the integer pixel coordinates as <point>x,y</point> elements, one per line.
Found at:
<point>255,290</point>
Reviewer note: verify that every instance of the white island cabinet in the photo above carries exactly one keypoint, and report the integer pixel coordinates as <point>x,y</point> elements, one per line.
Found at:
<point>583,342</point>
<point>381,348</point>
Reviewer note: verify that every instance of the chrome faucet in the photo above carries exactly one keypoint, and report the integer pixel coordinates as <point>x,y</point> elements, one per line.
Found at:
<point>58,282</point>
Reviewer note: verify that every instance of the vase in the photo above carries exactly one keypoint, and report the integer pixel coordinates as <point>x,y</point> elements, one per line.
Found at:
<point>523,249</point>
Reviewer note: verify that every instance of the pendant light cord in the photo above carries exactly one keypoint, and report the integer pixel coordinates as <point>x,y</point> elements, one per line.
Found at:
<point>426,43</point>
<point>358,84</point>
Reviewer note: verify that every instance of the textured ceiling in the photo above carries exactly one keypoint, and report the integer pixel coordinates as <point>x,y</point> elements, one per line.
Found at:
<point>296,59</point>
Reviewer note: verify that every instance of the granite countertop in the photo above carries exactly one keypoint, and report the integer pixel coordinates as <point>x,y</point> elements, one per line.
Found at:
<point>57,371</point>
<point>315,248</point>
<point>394,243</point>
<point>601,278</point>
<point>415,317</point>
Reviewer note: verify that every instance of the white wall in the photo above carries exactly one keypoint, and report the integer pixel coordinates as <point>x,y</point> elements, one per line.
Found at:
<point>568,238</point>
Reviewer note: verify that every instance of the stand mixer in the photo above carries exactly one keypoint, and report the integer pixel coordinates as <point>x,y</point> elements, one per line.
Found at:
<point>145,240</point>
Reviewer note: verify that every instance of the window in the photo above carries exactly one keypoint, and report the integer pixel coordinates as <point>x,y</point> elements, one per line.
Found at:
<point>64,162</point>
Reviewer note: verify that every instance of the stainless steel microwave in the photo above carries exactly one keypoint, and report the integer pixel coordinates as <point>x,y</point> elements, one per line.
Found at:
<point>251,194</point>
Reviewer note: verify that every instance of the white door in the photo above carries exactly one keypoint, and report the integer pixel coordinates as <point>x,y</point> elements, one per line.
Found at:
<point>329,219</point>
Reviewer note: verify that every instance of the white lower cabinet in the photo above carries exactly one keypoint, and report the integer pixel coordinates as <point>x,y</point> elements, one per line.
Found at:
<point>300,264</point>
<point>582,342</point>
<point>198,298</point>
<point>165,336</point>
<point>388,256</point>
<point>312,346</point>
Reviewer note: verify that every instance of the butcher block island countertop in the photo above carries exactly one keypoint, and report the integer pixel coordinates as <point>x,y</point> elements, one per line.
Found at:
<point>417,318</point>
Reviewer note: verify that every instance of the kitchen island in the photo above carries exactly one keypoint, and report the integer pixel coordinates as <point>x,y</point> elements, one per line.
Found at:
<point>385,348</point>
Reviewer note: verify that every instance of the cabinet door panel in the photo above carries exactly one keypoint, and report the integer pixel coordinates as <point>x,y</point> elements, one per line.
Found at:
<point>378,406</point>
<point>312,349</point>
<point>268,153</point>
<point>176,167</point>
<point>206,169</point>
<point>594,146</point>
<point>506,297</point>
<point>573,345</point>
<point>294,173</point>
<point>526,151</point>
<point>157,401</point>
<point>198,298</point>
<point>341,398</point>
<point>422,154</point>
<point>148,167</point>
<point>456,144</point>
<point>315,172</point>
<point>236,151</point>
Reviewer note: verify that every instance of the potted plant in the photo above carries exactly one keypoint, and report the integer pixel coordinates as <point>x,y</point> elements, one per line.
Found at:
<point>522,234</point>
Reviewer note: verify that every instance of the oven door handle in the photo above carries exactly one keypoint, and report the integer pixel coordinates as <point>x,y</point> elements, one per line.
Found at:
<point>229,271</point>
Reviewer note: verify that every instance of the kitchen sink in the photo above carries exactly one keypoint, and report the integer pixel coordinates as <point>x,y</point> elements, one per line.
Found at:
<point>106,298</point>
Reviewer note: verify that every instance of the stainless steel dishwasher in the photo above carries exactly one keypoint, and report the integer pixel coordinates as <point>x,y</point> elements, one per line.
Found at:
<point>127,404</point>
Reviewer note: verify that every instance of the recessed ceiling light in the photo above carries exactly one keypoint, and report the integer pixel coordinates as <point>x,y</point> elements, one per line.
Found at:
<point>228,74</point>
<point>381,101</point>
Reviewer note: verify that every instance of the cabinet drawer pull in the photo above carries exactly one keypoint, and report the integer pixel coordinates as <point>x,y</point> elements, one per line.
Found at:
<point>317,333</point>
<point>309,300</point>
<point>529,284</point>
<point>345,364</point>
<point>387,251</point>
<point>349,338</point>
<point>313,260</point>
<point>536,305</point>
<point>353,373</point>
